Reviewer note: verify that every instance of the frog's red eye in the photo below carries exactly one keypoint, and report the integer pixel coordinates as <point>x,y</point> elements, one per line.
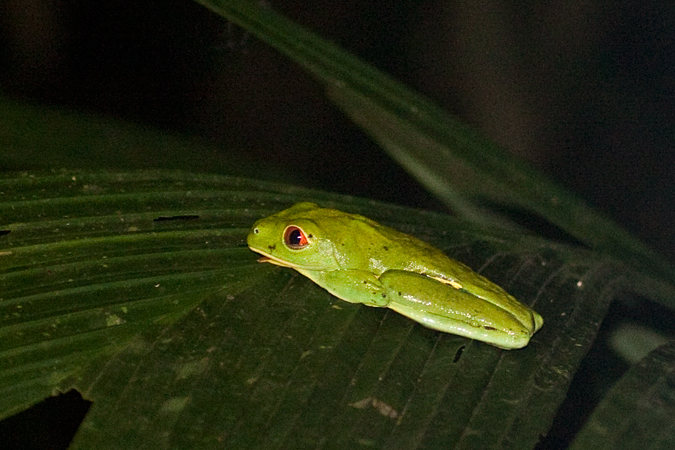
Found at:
<point>295,238</point>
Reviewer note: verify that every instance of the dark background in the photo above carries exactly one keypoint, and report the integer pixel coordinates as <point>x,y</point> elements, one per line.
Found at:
<point>583,90</point>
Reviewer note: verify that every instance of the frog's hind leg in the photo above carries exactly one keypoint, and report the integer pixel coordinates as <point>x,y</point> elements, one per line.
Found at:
<point>442,307</point>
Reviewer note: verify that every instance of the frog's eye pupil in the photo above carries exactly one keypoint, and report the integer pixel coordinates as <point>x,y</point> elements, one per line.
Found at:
<point>295,238</point>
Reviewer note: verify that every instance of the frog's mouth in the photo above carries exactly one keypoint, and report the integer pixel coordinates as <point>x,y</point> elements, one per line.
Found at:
<point>267,258</point>
<point>276,262</point>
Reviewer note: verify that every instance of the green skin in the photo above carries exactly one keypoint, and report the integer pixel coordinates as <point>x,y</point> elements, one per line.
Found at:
<point>361,261</point>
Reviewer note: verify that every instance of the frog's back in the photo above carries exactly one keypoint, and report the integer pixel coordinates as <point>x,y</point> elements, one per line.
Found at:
<point>430,260</point>
<point>368,243</point>
<point>396,250</point>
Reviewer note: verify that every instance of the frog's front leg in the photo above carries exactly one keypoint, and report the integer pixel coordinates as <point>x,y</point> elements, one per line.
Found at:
<point>442,307</point>
<point>353,286</point>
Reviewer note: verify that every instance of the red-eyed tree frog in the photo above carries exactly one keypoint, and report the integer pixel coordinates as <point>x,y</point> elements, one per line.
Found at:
<point>361,261</point>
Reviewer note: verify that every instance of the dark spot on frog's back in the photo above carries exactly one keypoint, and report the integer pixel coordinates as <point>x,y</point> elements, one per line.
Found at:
<point>272,247</point>
<point>490,328</point>
<point>385,248</point>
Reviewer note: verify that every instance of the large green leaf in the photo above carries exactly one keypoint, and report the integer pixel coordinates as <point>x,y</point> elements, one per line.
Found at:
<point>137,289</point>
<point>639,411</point>
<point>457,164</point>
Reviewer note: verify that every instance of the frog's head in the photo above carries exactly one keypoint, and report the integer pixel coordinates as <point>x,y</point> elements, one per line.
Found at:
<point>292,238</point>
